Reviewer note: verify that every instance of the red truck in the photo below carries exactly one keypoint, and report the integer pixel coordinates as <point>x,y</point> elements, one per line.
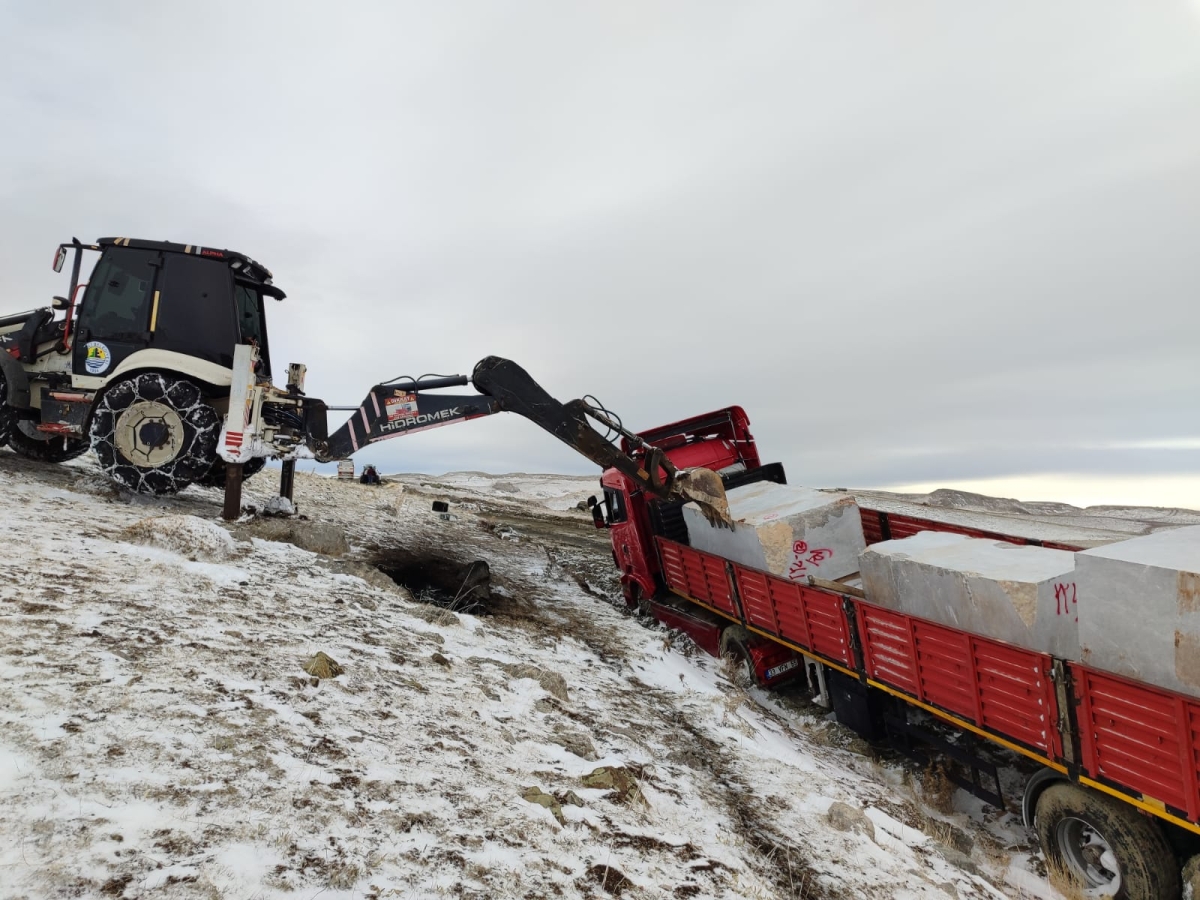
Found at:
<point>1115,800</point>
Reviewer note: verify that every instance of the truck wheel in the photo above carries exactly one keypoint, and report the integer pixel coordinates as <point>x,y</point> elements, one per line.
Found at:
<point>1105,847</point>
<point>27,441</point>
<point>154,433</point>
<point>215,477</point>
<point>733,644</point>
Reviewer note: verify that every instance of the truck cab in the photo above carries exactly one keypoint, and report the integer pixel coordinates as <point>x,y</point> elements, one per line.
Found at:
<point>719,440</point>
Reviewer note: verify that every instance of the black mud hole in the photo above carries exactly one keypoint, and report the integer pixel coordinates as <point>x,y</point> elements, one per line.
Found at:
<point>462,586</point>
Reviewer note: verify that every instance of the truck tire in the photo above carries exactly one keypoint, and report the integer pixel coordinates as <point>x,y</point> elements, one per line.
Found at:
<point>733,643</point>
<point>215,477</point>
<point>1108,848</point>
<point>27,441</point>
<point>154,433</point>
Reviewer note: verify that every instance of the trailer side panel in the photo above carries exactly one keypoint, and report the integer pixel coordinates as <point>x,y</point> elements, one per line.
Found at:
<point>1139,737</point>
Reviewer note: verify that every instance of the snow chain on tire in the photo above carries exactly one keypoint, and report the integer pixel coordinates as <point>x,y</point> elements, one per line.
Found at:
<point>155,434</point>
<point>8,414</point>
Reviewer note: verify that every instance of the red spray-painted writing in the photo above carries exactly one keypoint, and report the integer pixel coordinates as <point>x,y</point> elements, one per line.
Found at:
<point>1065,598</point>
<point>803,558</point>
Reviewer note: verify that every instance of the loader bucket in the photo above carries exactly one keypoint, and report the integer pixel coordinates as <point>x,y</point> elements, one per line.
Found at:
<point>705,488</point>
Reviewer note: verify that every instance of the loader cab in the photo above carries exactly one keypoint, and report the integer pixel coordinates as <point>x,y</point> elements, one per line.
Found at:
<point>159,296</point>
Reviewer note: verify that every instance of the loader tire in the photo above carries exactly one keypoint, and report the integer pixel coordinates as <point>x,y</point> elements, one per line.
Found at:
<point>154,433</point>
<point>215,477</point>
<point>1102,847</point>
<point>8,422</point>
<point>8,414</point>
<point>27,441</point>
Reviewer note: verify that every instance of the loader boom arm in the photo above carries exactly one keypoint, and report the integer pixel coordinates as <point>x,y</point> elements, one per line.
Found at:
<point>403,407</point>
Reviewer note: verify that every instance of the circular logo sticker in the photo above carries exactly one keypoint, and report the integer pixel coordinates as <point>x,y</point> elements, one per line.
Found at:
<point>98,358</point>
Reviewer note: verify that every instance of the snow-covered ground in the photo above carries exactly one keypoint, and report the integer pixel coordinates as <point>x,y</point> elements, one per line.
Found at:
<point>554,492</point>
<point>161,737</point>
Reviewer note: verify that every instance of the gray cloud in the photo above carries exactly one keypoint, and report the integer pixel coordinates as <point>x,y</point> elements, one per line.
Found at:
<point>933,242</point>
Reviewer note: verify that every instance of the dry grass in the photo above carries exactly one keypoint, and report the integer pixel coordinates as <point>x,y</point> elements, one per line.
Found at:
<point>1065,881</point>
<point>937,790</point>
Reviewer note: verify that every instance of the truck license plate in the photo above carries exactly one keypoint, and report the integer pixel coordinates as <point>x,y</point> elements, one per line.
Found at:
<point>786,667</point>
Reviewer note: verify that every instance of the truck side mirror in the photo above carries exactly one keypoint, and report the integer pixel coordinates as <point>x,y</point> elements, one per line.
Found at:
<point>60,257</point>
<point>591,501</point>
<point>598,516</point>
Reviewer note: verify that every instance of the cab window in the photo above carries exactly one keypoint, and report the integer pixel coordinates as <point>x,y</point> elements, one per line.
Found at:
<point>117,301</point>
<point>615,501</point>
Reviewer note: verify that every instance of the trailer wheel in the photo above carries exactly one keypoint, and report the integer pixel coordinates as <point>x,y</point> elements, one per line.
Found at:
<point>1105,847</point>
<point>154,433</point>
<point>27,441</point>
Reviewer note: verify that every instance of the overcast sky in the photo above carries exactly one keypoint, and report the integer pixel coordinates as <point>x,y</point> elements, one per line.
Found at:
<point>921,243</point>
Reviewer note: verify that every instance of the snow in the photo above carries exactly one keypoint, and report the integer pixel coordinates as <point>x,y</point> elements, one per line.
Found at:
<point>159,738</point>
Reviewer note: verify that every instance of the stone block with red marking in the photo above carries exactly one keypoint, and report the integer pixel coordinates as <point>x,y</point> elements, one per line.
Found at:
<point>1139,608</point>
<point>786,530</point>
<point>1024,595</point>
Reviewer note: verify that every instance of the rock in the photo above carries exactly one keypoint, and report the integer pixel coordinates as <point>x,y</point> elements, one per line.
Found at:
<point>575,742</point>
<point>958,860</point>
<point>195,538</point>
<point>1139,608</point>
<point>440,660</point>
<point>541,798</point>
<point>955,838</point>
<point>279,506</point>
<point>1023,595</point>
<point>553,683</point>
<point>845,817</point>
<point>434,615</point>
<point>618,779</point>
<point>570,798</point>
<point>322,666</point>
<point>316,537</point>
<point>789,531</point>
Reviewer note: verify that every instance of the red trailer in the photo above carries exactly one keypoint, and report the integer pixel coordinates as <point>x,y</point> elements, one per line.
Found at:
<point>1116,796</point>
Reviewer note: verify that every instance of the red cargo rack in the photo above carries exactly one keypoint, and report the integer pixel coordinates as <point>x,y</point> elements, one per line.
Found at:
<point>1004,690</point>
<point>808,618</point>
<point>1140,737</point>
<point>698,576</point>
